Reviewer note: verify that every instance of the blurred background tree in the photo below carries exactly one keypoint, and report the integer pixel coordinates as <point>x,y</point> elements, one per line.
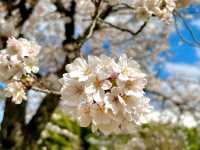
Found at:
<point>160,42</point>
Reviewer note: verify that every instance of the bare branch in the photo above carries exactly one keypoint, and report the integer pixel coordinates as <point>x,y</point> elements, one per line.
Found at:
<point>195,40</point>
<point>124,29</point>
<point>181,36</point>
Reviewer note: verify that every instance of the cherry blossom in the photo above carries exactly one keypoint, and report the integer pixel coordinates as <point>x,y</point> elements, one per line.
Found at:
<point>105,93</point>
<point>17,62</point>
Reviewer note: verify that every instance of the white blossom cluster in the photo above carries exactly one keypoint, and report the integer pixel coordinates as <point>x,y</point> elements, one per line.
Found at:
<point>16,61</point>
<point>160,8</point>
<point>104,93</point>
<point>144,8</point>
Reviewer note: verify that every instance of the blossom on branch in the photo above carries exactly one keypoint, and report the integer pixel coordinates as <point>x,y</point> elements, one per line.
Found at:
<point>160,8</point>
<point>105,94</point>
<point>26,53</point>
<point>17,62</point>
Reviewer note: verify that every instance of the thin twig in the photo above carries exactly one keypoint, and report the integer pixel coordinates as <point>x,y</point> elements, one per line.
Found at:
<point>90,30</point>
<point>122,6</point>
<point>196,41</point>
<point>188,27</point>
<point>45,91</point>
<point>181,36</point>
<point>124,29</point>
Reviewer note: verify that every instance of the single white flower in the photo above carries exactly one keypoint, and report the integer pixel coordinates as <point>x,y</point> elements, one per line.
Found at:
<point>105,67</point>
<point>129,69</point>
<point>73,92</point>
<point>81,69</point>
<point>133,87</point>
<point>97,88</point>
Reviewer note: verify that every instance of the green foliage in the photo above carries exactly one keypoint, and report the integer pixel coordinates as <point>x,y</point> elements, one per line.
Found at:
<point>51,140</point>
<point>63,121</point>
<point>192,138</point>
<point>153,136</point>
<point>56,142</point>
<point>161,137</point>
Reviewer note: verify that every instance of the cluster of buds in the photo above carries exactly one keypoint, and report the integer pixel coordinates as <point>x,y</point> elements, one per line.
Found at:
<point>105,93</point>
<point>17,62</point>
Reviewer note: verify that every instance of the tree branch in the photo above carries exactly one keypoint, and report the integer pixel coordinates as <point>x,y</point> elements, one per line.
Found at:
<point>124,29</point>
<point>47,91</point>
<point>94,26</point>
<point>196,42</point>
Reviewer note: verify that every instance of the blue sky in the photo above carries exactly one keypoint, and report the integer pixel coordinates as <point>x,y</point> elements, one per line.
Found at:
<point>185,58</point>
<point>184,53</point>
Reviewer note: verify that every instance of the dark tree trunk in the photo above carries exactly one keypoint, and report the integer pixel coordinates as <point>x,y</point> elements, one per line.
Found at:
<point>37,124</point>
<point>13,125</point>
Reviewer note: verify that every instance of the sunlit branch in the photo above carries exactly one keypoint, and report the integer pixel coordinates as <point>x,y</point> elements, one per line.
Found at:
<point>45,91</point>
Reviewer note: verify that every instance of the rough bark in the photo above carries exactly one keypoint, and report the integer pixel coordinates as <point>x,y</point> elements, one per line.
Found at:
<point>13,125</point>
<point>37,124</point>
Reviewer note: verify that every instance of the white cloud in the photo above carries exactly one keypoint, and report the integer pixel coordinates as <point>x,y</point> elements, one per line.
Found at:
<point>198,52</point>
<point>183,70</point>
<point>168,115</point>
<point>196,23</point>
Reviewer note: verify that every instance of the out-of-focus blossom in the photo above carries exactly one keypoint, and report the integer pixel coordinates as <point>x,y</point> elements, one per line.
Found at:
<point>7,26</point>
<point>47,27</point>
<point>104,93</point>
<point>20,57</point>
<point>161,9</point>
<point>16,91</point>
<point>18,60</point>
<point>22,47</point>
<point>26,53</point>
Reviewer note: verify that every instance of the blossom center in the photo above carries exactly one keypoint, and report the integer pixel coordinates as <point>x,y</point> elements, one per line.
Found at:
<point>87,71</point>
